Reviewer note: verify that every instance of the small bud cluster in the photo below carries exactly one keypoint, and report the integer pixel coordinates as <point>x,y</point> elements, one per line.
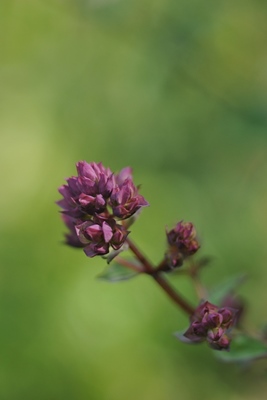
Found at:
<point>212,324</point>
<point>182,242</point>
<point>95,203</point>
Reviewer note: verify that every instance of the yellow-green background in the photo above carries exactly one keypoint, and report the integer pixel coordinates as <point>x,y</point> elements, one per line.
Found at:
<point>176,89</point>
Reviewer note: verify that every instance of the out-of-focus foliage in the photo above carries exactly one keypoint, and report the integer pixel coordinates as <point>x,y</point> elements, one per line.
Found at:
<point>177,90</point>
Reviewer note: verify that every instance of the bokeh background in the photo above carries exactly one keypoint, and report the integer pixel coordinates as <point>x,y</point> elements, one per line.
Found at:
<point>177,90</point>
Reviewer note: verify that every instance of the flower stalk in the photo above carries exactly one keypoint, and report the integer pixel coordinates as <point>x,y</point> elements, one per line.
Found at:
<point>161,281</point>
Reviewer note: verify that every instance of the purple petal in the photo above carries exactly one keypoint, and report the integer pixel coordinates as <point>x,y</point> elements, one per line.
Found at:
<point>107,232</point>
<point>85,199</point>
<point>92,250</point>
<point>85,169</point>
<point>72,183</point>
<point>99,201</point>
<point>95,232</point>
<point>125,173</point>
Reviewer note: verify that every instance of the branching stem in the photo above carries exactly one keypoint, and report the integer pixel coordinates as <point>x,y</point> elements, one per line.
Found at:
<point>162,282</point>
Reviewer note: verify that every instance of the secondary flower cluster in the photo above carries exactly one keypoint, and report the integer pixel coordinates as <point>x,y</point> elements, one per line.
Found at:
<point>182,242</point>
<point>95,203</point>
<point>212,324</point>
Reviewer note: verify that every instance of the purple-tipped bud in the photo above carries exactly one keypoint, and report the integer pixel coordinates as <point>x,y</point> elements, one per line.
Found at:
<point>215,334</point>
<point>125,173</point>
<point>199,329</point>
<point>94,202</point>
<point>211,320</point>
<point>183,236</point>
<point>87,193</point>
<point>227,315</point>
<point>196,332</point>
<point>71,237</point>
<point>69,203</point>
<point>236,303</point>
<point>95,178</point>
<point>125,199</point>
<point>98,235</point>
<point>223,343</point>
<point>211,323</point>
<point>182,243</point>
<point>118,237</point>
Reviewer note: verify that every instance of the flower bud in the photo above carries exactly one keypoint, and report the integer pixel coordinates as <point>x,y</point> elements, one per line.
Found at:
<point>236,303</point>
<point>211,320</point>
<point>182,243</point>
<point>213,335</point>
<point>71,237</point>
<point>211,323</point>
<point>87,193</point>
<point>223,343</point>
<point>199,329</point>
<point>125,199</point>
<point>98,235</point>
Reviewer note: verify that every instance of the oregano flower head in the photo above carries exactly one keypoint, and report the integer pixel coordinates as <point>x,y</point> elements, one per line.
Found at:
<point>95,203</point>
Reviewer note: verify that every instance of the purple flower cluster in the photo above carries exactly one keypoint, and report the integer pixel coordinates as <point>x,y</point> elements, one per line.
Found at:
<point>95,203</point>
<point>212,324</point>
<point>182,242</point>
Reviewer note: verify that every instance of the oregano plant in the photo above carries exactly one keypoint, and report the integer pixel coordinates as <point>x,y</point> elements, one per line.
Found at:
<point>98,208</point>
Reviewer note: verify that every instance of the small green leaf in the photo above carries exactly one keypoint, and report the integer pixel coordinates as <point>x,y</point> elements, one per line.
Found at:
<point>243,348</point>
<point>225,288</point>
<point>130,221</point>
<point>114,253</point>
<point>180,336</point>
<point>116,272</point>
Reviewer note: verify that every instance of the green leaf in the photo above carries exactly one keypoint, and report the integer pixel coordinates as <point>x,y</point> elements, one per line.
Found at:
<point>225,288</point>
<point>130,221</point>
<point>180,336</point>
<point>244,348</point>
<point>114,253</point>
<point>116,272</point>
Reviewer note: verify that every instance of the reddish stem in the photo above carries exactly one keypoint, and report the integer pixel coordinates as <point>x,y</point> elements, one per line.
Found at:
<point>148,266</point>
<point>156,275</point>
<point>176,297</point>
<point>129,265</point>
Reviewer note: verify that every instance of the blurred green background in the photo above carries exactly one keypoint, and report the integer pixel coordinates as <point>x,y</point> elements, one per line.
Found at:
<point>177,90</point>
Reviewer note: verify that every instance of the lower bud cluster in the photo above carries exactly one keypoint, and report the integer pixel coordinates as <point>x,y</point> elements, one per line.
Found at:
<point>212,324</point>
